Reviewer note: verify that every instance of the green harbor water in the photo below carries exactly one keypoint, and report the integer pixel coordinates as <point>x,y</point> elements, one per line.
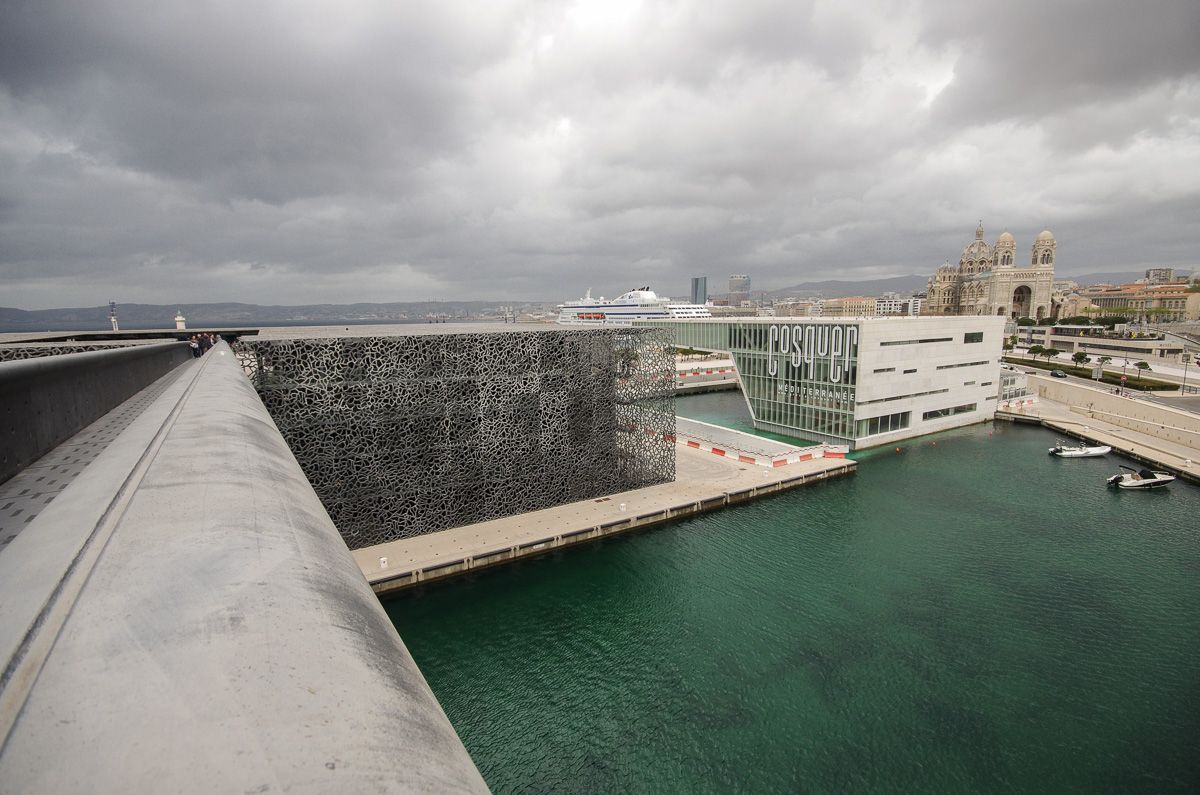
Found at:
<point>968,614</point>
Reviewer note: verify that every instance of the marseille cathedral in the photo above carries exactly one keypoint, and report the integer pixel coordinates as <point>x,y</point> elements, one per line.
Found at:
<point>988,280</point>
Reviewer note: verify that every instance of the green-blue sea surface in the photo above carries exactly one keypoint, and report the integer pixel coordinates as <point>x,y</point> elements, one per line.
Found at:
<point>968,614</point>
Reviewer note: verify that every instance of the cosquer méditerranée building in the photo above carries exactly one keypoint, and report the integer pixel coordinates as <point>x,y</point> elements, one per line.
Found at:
<point>860,382</point>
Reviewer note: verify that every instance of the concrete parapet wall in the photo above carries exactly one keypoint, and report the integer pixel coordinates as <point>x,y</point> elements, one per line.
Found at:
<point>1168,433</point>
<point>184,617</point>
<point>1161,421</point>
<point>43,401</point>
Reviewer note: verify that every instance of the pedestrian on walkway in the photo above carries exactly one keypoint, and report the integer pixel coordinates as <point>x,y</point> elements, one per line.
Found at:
<point>194,345</point>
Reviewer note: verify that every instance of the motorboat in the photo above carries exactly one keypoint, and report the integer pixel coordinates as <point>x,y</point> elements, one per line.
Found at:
<point>1140,479</point>
<point>1063,450</point>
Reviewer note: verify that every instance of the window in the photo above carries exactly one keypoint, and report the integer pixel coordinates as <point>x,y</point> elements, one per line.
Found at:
<point>973,336</point>
<point>901,397</point>
<point>916,342</point>
<point>884,424</point>
<point>964,364</point>
<point>885,370</point>
<point>906,372</point>
<point>968,383</point>
<point>950,412</point>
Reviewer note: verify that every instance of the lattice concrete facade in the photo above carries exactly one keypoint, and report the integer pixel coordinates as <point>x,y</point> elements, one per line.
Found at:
<point>406,435</point>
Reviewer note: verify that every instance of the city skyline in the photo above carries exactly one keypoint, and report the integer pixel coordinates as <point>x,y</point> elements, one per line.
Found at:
<point>303,153</point>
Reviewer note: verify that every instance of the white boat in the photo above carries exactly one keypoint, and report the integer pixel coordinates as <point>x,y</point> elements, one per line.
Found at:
<point>1078,451</point>
<point>640,304</point>
<point>1140,479</point>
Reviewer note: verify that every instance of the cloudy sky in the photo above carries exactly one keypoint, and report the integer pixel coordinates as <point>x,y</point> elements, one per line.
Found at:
<point>304,152</point>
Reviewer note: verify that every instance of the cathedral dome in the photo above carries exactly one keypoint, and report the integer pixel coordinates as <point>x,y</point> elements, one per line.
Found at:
<point>977,251</point>
<point>1045,235</point>
<point>1006,237</point>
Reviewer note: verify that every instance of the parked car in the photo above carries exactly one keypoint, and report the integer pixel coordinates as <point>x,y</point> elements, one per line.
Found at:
<point>1058,374</point>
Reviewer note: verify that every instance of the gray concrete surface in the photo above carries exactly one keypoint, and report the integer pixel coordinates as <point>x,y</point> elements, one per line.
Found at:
<point>703,482</point>
<point>46,400</point>
<point>184,617</point>
<point>26,494</point>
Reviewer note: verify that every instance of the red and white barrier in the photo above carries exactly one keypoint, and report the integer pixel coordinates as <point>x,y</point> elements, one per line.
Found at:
<point>758,459</point>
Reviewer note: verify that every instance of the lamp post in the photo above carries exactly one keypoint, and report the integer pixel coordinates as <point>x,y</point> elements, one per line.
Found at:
<point>1185,366</point>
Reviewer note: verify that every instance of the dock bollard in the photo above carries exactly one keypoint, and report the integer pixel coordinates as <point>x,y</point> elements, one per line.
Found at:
<point>383,563</point>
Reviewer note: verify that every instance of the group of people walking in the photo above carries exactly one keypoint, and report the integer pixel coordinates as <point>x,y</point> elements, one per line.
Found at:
<point>200,343</point>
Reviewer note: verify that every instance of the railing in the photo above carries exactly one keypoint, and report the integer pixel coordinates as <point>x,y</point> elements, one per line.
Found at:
<point>46,400</point>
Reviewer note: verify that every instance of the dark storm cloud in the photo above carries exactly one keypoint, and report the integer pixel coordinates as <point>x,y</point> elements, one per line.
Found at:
<point>292,152</point>
<point>1028,59</point>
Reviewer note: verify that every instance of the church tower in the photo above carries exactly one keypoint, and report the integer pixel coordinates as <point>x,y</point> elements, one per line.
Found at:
<point>1043,250</point>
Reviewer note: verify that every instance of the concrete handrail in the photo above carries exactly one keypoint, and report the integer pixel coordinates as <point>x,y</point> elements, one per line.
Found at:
<point>44,401</point>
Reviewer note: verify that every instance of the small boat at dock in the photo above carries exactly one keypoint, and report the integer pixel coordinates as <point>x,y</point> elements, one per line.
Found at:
<point>1078,451</point>
<point>1140,479</point>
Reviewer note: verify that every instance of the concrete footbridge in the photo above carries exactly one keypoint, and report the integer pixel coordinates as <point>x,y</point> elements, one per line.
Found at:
<point>177,611</point>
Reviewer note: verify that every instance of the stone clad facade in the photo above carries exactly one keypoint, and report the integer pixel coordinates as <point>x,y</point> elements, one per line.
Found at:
<point>989,281</point>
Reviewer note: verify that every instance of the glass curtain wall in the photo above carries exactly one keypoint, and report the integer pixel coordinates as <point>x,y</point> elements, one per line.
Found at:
<point>797,376</point>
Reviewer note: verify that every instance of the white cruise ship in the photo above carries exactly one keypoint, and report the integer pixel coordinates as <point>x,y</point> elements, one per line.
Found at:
<point>640,304</point>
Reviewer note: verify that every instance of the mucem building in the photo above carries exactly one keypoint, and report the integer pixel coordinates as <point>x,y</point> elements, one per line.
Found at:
<point>859,382</point>
<point>425,428</point>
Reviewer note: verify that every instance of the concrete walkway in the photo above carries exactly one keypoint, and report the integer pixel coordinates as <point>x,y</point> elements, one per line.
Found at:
<point>1179,459</point>
<point>704,482</point>
<point>184,617</point>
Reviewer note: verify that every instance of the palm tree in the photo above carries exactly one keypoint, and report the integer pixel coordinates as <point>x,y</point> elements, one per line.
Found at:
<point>1141,366</point>
<point>1080,358</point>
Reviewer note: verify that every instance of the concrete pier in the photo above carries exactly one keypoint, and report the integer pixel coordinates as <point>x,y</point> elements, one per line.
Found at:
<point>704,482</point>
<point>1165,438</point>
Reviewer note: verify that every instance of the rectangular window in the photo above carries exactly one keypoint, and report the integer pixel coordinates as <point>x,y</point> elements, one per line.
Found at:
<point>901,397</point>
<point>884,424</point>
<point>968,383</point>
<point>906,372</point>
<point>987,383</point>
<point>973,336</point>
<point>916,342</point>
<point>885,370</point>
<point>950,412</point>
<point>963,364</point>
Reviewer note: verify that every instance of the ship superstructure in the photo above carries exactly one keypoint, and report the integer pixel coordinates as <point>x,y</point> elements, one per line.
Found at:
<point>638,304</point>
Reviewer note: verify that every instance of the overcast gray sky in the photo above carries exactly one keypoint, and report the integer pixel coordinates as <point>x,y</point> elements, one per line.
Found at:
<point>305,152</point>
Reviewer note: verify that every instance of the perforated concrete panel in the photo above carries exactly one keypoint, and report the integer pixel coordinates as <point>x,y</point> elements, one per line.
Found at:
<point>406,435</point>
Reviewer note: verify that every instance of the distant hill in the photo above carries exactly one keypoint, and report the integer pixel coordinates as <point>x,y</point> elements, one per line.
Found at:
<point>162,316</point>
<point>835,288</point>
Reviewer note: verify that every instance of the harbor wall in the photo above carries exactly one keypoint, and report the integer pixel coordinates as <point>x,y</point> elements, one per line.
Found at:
<point>1163,422</point>
<point>415,433</point>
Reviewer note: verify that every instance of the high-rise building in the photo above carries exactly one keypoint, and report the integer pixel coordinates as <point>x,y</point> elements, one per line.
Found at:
<point>699,290</point>
<point>739,283</point>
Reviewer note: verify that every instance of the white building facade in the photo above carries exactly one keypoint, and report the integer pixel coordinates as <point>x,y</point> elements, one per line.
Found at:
<point>861,382</point>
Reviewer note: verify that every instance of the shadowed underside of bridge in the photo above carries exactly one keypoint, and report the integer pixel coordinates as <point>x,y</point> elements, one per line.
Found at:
<point>180,614</point>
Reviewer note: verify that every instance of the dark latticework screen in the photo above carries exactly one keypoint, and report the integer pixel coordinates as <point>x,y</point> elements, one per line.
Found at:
<point>406,435</point>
